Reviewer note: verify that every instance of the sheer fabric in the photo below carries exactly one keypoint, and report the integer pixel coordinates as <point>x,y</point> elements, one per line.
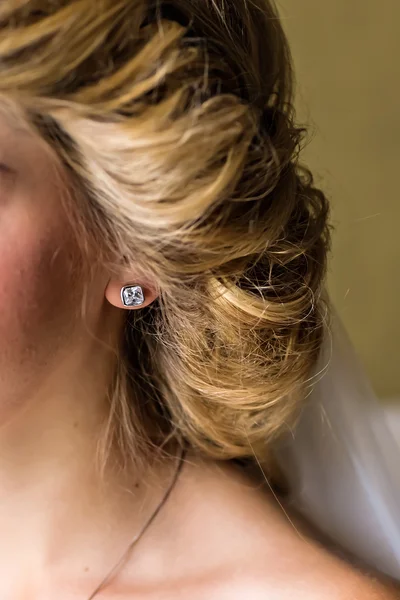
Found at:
<point>342,461</point>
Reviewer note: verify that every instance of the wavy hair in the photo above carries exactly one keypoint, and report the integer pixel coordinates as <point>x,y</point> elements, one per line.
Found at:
<point>175,127</point>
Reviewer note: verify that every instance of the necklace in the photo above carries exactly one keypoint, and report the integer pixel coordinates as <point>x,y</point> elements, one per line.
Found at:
<point>144,528</point>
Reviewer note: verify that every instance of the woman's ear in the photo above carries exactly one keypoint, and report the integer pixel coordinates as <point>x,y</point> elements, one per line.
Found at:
<point>130,294</point>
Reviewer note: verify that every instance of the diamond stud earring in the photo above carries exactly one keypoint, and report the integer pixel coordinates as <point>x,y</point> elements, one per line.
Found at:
<point>132,295</point>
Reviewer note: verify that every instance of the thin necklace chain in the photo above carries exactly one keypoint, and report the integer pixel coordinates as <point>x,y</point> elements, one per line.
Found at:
<point>142,531</point>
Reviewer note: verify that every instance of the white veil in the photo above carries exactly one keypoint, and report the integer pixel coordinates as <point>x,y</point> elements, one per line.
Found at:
<point>342,460</point>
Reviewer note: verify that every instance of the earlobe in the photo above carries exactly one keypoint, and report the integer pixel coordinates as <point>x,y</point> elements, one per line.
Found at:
<point>129,295</point>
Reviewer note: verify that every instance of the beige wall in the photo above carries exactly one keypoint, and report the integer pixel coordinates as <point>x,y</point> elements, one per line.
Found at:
<point>347,55</point>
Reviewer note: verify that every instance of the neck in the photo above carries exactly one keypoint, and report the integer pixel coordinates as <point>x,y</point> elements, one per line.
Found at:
<point>56,514</point>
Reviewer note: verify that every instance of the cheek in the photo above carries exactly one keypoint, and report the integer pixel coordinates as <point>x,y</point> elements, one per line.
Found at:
<point>35,301</point>
<point>22,289</point>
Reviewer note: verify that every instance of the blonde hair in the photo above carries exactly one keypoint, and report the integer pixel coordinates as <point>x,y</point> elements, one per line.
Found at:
<point>175,126</point>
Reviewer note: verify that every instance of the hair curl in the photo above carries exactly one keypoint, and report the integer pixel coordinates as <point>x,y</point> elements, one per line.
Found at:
<point>175,124</point>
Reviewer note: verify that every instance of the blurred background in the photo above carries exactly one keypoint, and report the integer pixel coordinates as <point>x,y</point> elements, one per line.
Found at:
<point>346,55</point>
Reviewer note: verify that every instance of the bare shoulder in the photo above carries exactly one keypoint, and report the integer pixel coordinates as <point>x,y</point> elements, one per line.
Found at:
<point>327,584</point>
<point>333,582</point>
<point>334,586</point>
<point>249,548</point>
<point>311,575</point>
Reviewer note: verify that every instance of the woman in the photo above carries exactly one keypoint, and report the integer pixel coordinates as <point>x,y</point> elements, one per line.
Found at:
<point>162,261</point>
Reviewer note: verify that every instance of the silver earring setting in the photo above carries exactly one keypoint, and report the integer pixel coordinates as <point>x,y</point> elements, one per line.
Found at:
<point>132,295</point>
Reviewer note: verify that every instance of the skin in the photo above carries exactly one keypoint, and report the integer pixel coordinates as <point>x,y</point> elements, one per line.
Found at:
<point>53,377</point>
<point>221,535</point>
